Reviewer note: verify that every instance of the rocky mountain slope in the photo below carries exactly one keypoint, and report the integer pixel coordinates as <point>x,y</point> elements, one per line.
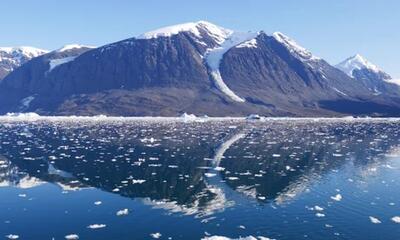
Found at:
<point>197,67</point>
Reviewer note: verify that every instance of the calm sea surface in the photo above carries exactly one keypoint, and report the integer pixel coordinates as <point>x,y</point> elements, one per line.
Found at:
<point>169,179</point>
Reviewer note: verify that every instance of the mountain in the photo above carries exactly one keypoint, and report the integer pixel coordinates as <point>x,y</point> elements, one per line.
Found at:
<point>371,76</point>
<point>13,57</point>
<point>195,67</point>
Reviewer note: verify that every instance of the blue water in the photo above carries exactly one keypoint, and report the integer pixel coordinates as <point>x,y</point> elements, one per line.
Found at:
<point>280,179</point>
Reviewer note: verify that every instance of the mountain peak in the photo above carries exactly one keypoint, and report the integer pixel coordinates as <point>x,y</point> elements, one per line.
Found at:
<point>72,46</point>
<point>356,62</point>
<point>218,33</point>
<point>30,52</point>
<point>294,47</point>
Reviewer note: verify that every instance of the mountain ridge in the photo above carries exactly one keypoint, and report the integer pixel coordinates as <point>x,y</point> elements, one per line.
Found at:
<point>196,67</point>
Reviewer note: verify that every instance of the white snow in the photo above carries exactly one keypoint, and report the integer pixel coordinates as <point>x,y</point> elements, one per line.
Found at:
<point>219,34</point>
<point>338,91</point>
<point>30,52</point>
<point>73,46</point>
<point>16,56</point>
<point>294,47</point>
<point>214,57</point>
<point>26,102</point>
<point>57,62</point>
<point>394,81</point>
<point>248,44</point>
<point>356,62</point>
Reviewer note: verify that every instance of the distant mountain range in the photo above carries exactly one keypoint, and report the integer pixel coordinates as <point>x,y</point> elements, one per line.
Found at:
<point>198,68</point>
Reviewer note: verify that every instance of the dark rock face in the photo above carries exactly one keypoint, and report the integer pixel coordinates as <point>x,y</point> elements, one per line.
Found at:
<point>376,81</point>
<point>166,76</point>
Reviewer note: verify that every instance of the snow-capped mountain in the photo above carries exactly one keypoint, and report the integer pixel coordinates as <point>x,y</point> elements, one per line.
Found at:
<point>13,57</point>
<point>357,63</point>
<point>197,67</point>
<point>370,75</point>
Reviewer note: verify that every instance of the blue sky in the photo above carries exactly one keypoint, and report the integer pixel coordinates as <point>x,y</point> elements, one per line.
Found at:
<point>333,30</point>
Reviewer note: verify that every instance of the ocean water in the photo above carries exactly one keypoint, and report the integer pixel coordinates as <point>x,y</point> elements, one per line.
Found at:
<point>126,179</point>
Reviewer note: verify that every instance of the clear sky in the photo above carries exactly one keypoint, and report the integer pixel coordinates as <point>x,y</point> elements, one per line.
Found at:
<point>331,29</point>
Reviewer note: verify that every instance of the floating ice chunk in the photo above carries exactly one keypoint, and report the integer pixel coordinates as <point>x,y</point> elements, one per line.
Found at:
<point>219,169</point>
<point>396,219</point>
<point>123,212</point>
<point>188,117</point>
<point>254,117</point>
<point>97,203</point>
<point>337,197</point>
<point>96,226</point>
<point>318,208</point>
<point>156,235</point>
<point>210,174</point>
<point>138,181</point>
<point>240,238</point>
<point>320,215</point>
<point>374,220</point>
<point>12,236</point>
<point>72,237</point>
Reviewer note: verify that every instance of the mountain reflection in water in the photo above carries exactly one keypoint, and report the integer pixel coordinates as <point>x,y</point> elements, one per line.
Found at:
<point>197,168</point>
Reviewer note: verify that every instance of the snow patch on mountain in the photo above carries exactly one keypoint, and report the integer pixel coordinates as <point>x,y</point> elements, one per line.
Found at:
<point>356,62</point>
<point>299,51</point>
<point>29,52</point>
<point>248,44</point>
<point>57,62</point>
<point>214,57</point>
<point>72,47</point>
<point>219,34</point>
<point>394,81</point>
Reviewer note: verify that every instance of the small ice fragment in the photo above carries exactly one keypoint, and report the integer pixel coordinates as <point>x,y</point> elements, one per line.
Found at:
<point>396,219</point>
<point>320,215</point>
<point>72,237</point>
<point>318,208</point>
<point>22,195</point>
<point>12,236</point>
<point>97,203</point>
<point>123,212</point>
<point>96,226</point>
<point>374,220</point>
<point>338,197</point>
<point>138,181</point>
<point>155,235</point>
<point>219,169</point>
<point>210,174</point>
